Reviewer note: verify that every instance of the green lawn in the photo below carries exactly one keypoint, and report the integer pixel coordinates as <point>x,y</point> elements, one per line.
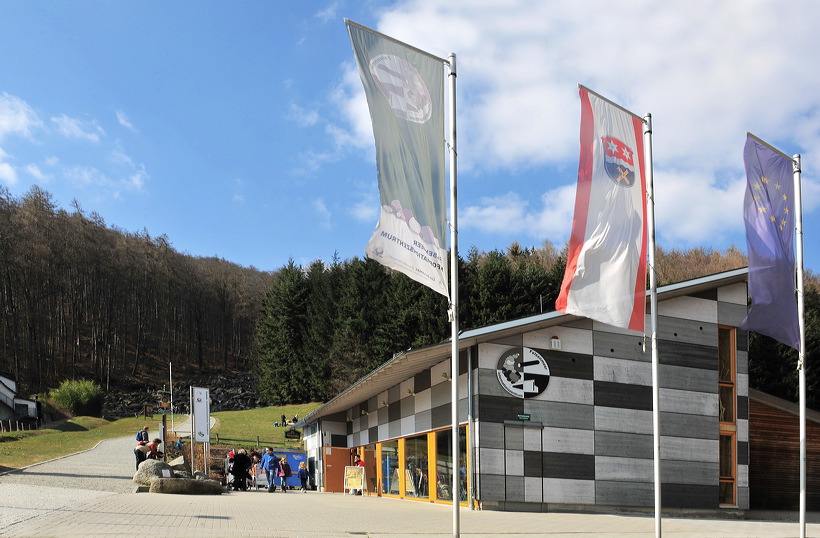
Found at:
<point>19,449</point>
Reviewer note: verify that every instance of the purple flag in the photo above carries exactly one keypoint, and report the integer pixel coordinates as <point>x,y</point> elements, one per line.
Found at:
<point>768,211</point>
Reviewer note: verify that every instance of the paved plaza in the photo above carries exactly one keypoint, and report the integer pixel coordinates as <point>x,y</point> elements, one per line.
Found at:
<point>91,494</point>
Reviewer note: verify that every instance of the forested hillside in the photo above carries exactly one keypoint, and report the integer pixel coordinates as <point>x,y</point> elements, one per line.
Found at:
<point>80,299</point>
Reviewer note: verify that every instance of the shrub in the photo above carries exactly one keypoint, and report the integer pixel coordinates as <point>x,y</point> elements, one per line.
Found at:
<point>80,397</point>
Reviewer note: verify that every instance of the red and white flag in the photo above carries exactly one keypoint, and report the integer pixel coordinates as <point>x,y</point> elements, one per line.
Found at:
<point>605,278</point>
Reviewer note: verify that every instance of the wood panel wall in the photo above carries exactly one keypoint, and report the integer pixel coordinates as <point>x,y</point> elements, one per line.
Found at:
<point>774,466</point>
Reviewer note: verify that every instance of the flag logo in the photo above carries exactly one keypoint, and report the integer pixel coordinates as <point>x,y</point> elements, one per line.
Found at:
<point>618,161</point>
<point>523,372</point>
<point>403,87</point>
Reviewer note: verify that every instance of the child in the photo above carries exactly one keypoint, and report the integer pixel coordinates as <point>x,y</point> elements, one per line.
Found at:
<point>304,475</point>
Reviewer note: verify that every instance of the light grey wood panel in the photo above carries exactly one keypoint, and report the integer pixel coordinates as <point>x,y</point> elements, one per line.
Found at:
<point>691,379</point>
<point>620,444</point>
<point>533,489</point>
<point>492,461</point>
<point>566,491</point>
<point>609,468</point>
<point>615,419</point>
<point>690,307</point>
<point>687,330</point>
<point>565,389</point>
<point>735,293</point>
<point>688,402</point>
<point>624,493</point>
<point>568,440</point>
<point>514,462</point>
<point>689,472</point>
<point>688,449</point>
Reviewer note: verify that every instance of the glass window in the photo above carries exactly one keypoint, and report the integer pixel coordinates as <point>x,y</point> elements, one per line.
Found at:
<point>725,349</point>
<point>416,467</point>
<point>444,464</point>
<point>390,468</point>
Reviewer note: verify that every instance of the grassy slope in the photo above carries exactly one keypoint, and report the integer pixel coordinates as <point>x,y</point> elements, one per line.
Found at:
<point>19,449</point>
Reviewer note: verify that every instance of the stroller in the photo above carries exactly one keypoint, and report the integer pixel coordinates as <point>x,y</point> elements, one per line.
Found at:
<point>238,472</point>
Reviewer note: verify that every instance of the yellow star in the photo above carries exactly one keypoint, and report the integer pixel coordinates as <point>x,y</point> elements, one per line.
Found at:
<point>773,218</point>
<point>764,179</point>
<point>761,209</point>
<point>786,210</point>
<point>777,186</point>
<point>757,187</point>
<point>785,198</point>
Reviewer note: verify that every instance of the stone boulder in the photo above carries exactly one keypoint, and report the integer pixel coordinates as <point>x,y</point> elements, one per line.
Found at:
<point>185,486</point>
<point>150,469</point>
<point>179,465</point>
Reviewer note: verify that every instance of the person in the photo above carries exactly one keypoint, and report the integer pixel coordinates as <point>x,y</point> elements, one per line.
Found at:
<point>304,475</point>
<point>268,463</point>
<point>283,472</point>
<point>141,452</point>
<point>239,469</point>
<point>357,462</point>
<point>155,453</point>
<point>284,421</point>
<point>142,435</point>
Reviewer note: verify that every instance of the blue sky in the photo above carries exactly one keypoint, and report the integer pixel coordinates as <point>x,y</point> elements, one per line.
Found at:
<point>240,129</point>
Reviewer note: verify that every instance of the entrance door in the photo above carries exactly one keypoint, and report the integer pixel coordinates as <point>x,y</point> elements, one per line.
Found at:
<point>334,461</point>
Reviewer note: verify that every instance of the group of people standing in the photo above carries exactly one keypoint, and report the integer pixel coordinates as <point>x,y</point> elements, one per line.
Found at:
<point>270,464</point>
<point>145,450</point>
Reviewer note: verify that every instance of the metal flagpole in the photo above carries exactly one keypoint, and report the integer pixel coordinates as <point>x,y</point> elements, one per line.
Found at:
<point>455,489</point>
<point>171,384</point>
<point>801,365</point>
<point>653,306</point>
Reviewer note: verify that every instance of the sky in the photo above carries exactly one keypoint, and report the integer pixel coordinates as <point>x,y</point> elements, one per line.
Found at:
<point>240,129</point>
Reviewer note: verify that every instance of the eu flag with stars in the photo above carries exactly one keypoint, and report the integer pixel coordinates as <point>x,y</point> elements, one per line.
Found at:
<point>768,211</point>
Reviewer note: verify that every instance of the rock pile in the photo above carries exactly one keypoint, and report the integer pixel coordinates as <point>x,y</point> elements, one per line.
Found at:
<point>229,392</point>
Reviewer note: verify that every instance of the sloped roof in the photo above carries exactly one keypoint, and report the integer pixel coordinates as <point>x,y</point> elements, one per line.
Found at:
<point>406,364</point>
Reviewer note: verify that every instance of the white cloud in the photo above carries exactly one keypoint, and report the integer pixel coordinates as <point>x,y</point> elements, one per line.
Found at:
<point>16,117</point>
<point>519,63</point>
<point>122,118</point>
<point>34,171</point>
<point>328,13</point>
<point>322,213</point>
<point>302,116</point>
<point>77,128</point>
<point>8,174</point>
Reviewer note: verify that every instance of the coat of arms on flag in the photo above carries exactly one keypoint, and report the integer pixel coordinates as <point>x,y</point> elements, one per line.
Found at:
<point>618,161</point>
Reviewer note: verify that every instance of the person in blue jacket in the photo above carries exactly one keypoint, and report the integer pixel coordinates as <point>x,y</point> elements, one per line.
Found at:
<point>270,464</point>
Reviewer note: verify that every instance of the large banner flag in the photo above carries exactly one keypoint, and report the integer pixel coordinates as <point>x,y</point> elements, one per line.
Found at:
<point>605,278</point>
<point>768,211</point>
<point>405,94</point>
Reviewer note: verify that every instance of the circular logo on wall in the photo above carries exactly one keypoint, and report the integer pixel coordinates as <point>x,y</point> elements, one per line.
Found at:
<point>523,372</point>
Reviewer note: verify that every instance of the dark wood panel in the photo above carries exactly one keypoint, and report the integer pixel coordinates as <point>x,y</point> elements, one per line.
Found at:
<point>570,466</point>
<point>690,496</point>
<point>623,396</point>
<point>688,355</point>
